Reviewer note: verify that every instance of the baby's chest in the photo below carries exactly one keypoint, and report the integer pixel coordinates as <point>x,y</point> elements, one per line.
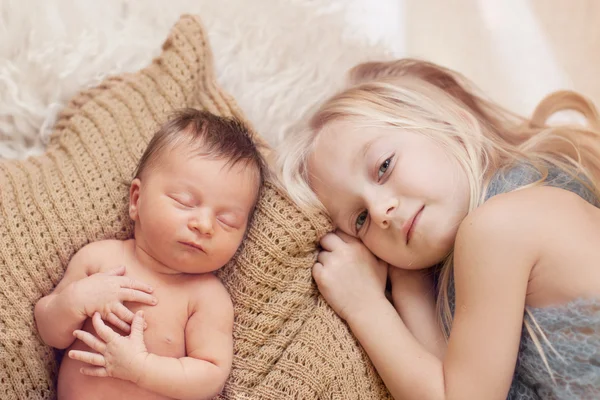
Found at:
<point>165,334</point>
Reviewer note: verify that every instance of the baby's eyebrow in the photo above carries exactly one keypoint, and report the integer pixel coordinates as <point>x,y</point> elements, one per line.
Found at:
<point>235,212</point>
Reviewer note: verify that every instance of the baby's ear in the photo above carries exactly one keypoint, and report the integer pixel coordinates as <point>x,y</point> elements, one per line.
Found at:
<point>134,198</point>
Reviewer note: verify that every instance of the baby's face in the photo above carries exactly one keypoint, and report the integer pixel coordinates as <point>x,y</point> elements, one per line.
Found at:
<point>191,211</point>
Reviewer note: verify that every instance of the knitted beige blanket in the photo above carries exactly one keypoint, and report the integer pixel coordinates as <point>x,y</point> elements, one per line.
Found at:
<point>288,342</point>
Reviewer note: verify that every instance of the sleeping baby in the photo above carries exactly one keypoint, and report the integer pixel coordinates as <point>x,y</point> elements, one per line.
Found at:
<point>146,318</point>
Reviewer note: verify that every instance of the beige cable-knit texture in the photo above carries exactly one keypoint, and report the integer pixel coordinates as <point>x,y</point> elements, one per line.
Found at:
<point>288,342</point>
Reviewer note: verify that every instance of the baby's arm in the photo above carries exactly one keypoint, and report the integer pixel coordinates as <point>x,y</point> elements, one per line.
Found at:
<point>209,346</point>
<point>83,291</point>
<point>56,314</point>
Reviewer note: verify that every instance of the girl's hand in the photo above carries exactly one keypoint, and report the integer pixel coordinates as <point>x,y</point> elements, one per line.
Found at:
<point>105,293</point>
<point>348,275</point>
<point>117,356</point>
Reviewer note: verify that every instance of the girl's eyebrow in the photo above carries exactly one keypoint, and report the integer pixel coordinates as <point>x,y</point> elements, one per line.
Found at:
<point>365,148</point>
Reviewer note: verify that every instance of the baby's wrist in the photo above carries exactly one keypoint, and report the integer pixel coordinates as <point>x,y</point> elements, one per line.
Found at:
<point>139,368</point>
<point>71,300</point>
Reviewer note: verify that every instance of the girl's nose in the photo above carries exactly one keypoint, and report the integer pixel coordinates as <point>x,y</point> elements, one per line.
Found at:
<point>382,212</point>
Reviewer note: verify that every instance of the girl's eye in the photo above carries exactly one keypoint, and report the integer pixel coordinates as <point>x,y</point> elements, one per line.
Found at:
<point>360,220</point>
<point>384,167</point>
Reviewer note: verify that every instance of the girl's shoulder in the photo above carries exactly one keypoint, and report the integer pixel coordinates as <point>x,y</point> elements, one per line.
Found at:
<point>532,217</point>
<point>521,207</point>
<point>499,243</point>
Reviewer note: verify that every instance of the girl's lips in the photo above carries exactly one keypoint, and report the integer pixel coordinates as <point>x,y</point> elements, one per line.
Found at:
<point>409,226</point>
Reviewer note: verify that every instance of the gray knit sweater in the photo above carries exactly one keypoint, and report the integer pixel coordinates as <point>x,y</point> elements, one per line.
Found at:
<point>572,329</point>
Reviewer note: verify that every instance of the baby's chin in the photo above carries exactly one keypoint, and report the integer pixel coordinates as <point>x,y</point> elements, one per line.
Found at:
<point>202,265</point>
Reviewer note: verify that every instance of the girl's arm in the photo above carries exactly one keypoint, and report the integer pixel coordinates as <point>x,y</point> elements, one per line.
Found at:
<point>491,285</point>
<point>414,297</point>
<point>496,248</point>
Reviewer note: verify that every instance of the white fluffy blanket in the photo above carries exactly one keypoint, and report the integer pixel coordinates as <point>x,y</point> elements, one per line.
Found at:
<point>277,57</point>
<point>281,57</point>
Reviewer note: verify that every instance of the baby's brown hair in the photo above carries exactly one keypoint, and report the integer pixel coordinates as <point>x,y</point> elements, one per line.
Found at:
<point>208,135</point>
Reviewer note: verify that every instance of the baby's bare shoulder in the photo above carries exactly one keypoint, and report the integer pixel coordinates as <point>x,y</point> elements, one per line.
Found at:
<point>207,291</point>
<point>100,247</point>
<point>99,255</point>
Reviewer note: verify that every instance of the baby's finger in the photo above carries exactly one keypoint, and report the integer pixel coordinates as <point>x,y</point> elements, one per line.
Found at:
<point>92,341</point>
<point>120,270</point>
<point>118,323</point>
<point>123,312</point>
<point>137,296</point>
<point>330,241</point>
<point>126,314</point>
<point>137,326</point>
<point>105,333</point>
<point>137,285</point>
<point>99,372</point>
<point>87,357</point>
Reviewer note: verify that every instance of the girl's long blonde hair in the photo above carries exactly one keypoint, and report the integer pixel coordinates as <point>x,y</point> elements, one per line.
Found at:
<point>422,97</point>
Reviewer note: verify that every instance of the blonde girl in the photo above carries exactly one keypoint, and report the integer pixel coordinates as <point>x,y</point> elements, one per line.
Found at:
<point>485,223</point>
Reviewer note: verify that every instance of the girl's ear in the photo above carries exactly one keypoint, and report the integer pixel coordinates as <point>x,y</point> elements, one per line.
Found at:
<point>134,198</point>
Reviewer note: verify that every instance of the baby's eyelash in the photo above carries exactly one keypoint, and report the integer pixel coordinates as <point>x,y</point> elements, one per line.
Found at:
<point>228,222</point>
<point>184,203</point>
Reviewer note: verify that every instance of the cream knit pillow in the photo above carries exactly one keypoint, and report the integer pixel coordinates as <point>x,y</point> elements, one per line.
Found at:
<point>288,343</point>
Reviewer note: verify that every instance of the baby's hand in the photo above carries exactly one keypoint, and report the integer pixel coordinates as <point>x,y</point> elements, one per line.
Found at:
<point>349,276</point>
<point>105,293</point>
<point>117,356</point>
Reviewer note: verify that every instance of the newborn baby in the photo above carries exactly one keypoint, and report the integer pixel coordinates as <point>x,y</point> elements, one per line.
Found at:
<point>146,318</point>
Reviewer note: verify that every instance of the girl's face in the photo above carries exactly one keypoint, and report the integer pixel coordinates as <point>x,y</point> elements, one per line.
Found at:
<point>398,191</point>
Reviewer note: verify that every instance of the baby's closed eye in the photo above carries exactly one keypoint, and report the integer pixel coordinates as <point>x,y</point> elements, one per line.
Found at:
<point>184,200</point>
<point>230,219</point>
